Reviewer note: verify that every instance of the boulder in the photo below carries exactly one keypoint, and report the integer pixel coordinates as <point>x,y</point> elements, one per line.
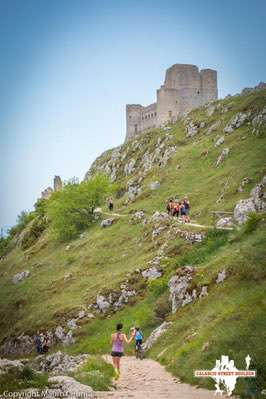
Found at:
<point>203,292</point>
<point>20,276</point>
<point>221,277</point>
<point>65,339</point>
<point>20,345</point>
<point>137,217</point>
<point>151,274</point>
<point>213,127</point>
<point>70,387</point>
<point>178,286</point>
<point>6,364</point>
<point>236,122</point>
<point>242,209</point>
<point>129,167</point>
<point>58,362</point>
<point>225,222</point>
<point>107,222</point>
<point>219,141</point>
<point>102,303</point>
<point>224,154</point>
<point>72,324</point>
<point>160,216</point>
<point>156,334</point>
<point>155,185</point>
<point>81,314</point>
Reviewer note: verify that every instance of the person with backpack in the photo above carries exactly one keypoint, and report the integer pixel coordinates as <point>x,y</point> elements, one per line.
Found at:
<point>138,340</point>
<point>117,340</point>
<point>187,207</point>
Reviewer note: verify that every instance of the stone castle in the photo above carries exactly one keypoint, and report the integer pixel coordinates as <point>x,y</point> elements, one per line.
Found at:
<point>185,88</point>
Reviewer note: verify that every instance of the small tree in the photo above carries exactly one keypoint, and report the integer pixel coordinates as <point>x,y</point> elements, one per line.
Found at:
<point>70,210</point>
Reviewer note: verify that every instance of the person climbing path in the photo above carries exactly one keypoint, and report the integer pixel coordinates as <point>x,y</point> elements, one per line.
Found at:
<point>147,379</point>
<point>117,340</point>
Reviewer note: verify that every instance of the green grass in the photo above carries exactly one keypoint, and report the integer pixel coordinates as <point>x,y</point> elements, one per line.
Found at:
<point>230,318</point>
<point>16,380</point>
<point>96,373</point>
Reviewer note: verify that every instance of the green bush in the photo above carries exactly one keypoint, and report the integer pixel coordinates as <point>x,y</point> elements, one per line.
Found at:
<point>96,373</point>
<point>5,245</point>
<point>23,219</point>
<point>15,379</point>
<point>70,211</point>
<point>162,308</point>
<point>253,221</point>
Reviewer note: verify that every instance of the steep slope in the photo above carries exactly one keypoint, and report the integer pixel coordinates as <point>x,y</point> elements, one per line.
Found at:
<point>215,156</point>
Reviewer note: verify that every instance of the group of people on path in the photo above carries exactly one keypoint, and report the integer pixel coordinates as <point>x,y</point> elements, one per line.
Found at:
<point>42,342</point>
<point>179,208</point>
<point>117,341</point>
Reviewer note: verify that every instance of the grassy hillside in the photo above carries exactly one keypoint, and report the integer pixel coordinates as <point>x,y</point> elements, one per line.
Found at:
<point>66,277</point>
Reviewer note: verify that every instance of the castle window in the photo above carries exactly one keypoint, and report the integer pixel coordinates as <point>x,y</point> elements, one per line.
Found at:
<point>198,92</point>
<point>155,113</point>
<point>136,128</point>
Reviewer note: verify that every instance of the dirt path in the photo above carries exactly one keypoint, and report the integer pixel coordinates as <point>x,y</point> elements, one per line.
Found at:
<point>147,379</point>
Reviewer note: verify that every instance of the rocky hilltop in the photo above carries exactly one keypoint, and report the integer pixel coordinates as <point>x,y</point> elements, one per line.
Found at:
<point>197,289</point>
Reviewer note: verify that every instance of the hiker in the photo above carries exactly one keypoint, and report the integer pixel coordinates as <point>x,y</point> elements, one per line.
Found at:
<point>38,342</point>
<point>183,211</point>
<point>110,204</point>
<point>176,207</point>
<point>187,207</point>
<point>46,343</point>
<point>117,340</point>
<point>138,340</point>
<point>169,206</point>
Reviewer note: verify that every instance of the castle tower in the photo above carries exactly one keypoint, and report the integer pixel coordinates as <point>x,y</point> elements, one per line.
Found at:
<point>185,88</point>
<point>58,185</point>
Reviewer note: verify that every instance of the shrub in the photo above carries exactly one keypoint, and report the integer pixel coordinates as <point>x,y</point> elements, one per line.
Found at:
<point>252,222</point>
<point>163,307</point>
<point>70,210</point>
<point>15,379</point>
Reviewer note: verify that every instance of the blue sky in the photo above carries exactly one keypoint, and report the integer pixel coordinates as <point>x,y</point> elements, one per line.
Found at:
<point>68,67</point>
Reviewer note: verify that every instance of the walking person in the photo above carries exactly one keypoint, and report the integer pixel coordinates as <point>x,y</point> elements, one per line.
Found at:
<point>187,207</point>
<point>110,204</point>
<point>38,342</point>
<point>183,211</point>
<point>117,340</point>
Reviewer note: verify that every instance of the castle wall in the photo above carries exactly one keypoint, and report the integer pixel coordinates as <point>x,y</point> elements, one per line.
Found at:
<point>185,88</point>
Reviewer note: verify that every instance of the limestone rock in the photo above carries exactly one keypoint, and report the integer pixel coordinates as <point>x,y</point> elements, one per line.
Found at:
<point>107,222</point>
<point>137,217</point>
<point>70,387</point>
<point>224,154</point>
<point>242,209</point>
<point>213,127</point>
<point>72,324</point>
<point>237,121</point>
<point>20,276</point>
<point>81,314</point>
<point>152,273</point>
<point>102,303</point>
<point>65,339</point>
<point>177,286</point>
<point>204,292</point>
<point>58,362</point>
<point>219,141</point>
<point>159,216</point>
<point>224,222</point>
<point>155,335</point>
<point>6,364</point>
<point>243,183</point>
<point>23,344</point>
<point>221,277</point>
<point>129,167</point>
<point>155,185</point>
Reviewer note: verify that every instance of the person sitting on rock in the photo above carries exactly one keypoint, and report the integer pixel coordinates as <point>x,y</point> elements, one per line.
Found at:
<point>117,340</point>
